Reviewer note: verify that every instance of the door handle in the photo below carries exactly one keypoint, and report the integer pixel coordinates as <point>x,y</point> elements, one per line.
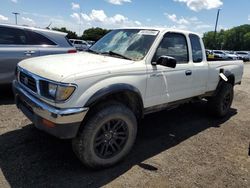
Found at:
<point>188,72</point>
<point>29,52</point>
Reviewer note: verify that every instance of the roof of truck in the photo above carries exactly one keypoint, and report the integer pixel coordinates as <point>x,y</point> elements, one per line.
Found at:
<point>161,29</point>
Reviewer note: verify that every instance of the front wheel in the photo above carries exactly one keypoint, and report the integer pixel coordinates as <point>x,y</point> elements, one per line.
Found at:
<point>221,103</point>
<point>107,136</point>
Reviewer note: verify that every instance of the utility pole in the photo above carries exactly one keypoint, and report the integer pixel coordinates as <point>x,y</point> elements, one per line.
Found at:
<point>16,14</point>
<point>80,24</point>
<point>216,23</point>
<point>217,18</point>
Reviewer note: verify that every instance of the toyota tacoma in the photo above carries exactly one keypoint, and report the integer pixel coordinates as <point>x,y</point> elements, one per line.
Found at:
<point>98,97</point>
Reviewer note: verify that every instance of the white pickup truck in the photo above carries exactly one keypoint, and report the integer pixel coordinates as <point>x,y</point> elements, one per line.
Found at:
<point>96,98</point>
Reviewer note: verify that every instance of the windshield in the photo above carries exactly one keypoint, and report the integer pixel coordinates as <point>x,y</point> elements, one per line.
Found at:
<point>131,44</point>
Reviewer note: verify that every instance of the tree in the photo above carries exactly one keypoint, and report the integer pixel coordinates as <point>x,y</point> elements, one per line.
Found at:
<point>94,33</point>
<point>246,44</point>
<point>208,39</point>
<point>237,39</point>
<point>71,34</point>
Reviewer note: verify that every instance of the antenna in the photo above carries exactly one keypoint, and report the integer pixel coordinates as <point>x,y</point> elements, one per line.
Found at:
<point>48,27</point>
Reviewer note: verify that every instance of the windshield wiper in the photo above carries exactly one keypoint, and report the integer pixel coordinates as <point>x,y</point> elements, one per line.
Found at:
<point>116,54</point>
<point>92,51</point>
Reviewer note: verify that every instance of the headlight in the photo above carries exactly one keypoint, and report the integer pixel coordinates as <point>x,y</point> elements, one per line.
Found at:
<point>64,92</point>
<point>56,92</point>
<point>52,90</point>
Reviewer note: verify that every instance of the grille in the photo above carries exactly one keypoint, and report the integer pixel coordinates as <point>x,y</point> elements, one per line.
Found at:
<point>28,81</point>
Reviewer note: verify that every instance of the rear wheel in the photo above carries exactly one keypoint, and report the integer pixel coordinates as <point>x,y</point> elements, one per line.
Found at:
<point>107,136</point>
<point>221,103</point>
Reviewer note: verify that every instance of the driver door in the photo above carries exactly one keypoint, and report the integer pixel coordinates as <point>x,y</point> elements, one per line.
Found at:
<point>164,84</point>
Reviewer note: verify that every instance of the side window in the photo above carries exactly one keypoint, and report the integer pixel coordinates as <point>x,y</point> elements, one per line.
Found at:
<point>38,39</point>
<point>196,48</point>
<point>12,36</point>
<point>174,45</point>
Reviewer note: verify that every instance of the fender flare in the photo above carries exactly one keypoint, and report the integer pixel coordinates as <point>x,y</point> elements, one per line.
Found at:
<point>113,89</point>
<point>231,79</point>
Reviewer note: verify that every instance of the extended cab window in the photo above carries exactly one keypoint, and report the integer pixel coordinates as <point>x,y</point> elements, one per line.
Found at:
<point>174,45</point>
<point>196,48</point>
<point>11,36</point>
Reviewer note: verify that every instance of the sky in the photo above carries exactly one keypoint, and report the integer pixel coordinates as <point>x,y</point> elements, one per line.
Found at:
<point>77,15</point>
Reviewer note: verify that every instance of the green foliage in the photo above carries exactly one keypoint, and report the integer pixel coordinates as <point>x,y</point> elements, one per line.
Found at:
<point>94,33</point>
<point>71,34</point>
<point>237,38</point>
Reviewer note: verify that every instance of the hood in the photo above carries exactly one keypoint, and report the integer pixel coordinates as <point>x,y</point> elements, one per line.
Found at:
<point>59,67</point>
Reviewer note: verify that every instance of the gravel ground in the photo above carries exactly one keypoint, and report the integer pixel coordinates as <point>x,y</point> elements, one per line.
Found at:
<point>184,147</point>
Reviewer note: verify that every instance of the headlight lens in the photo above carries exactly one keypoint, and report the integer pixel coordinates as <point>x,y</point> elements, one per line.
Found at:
<point>64,92</point>
<point>52,90</point>
<point>56,92</point>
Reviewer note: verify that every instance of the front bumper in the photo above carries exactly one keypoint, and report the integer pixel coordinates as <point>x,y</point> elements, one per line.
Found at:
<point>62,123</point>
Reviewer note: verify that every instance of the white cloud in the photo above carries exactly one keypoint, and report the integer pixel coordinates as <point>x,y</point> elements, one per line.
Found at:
<point>43,20</point>
<point>138,23</point>
<point>100,19</point>
<point>76,16</point>
<point>197,5</point>
<point>14,1</point>
<point>118,18</point>
<point>248,17</point>
<point>119,2</point>
<point>203,26</point>
<point>3,18</point>
<point>28,21</point>
<point>182,27</point>
<point>33,14</point>
<point>188,23</point>
<point>75,6</point>
<point>98,15</point>
<point>174,19</point>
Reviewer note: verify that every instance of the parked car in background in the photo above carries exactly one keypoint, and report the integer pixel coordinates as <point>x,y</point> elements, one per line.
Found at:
<point>231,55</point>
<point>90,42</point>
<point>21,42</point>
<point>220,54</point>
<point>210,55</point>
<point>245,56</point>
<point>80,45</point>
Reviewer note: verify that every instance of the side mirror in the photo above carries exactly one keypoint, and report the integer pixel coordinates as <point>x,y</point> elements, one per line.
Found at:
<point>166,61</point>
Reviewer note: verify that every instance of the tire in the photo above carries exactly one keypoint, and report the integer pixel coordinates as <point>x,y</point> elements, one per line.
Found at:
<point>220,104</point>
<point>107,136</point>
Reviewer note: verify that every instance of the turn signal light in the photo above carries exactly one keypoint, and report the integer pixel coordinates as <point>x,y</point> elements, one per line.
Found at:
<point>48,123</point>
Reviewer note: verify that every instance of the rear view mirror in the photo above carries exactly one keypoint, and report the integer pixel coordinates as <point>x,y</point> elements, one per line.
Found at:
<point>166,61</point>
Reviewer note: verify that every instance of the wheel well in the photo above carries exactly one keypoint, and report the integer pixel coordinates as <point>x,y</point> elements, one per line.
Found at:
<point>230,80</point>
<point>128,98</point>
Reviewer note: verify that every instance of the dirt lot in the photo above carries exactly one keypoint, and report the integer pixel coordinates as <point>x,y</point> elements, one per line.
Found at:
<point>184,147</point>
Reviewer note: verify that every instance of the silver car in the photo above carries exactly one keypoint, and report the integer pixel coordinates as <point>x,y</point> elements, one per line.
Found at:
<point>20,42</point>
<point>245,56</point>
<point>80,45</point>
